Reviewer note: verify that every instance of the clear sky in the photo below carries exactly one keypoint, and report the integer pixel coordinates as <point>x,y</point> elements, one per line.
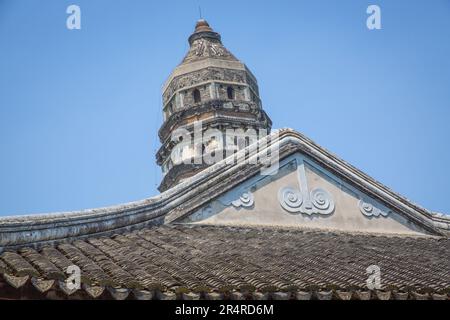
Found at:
<point>80,109</point>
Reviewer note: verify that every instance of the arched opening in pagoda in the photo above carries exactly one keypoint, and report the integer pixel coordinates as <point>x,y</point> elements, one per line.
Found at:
<point>196,96</point>
<point>230,93</point>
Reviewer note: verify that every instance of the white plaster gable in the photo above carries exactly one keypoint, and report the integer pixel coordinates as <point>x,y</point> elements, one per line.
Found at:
<point>303,194</point>
<point>312,189</point>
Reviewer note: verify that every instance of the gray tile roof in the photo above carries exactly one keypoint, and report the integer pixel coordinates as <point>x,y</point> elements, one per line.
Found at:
<point>237,262</point>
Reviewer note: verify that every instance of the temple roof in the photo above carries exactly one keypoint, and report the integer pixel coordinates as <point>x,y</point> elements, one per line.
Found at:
<point>236,262</point>
<point>181,200</point>
<point>224,233</point>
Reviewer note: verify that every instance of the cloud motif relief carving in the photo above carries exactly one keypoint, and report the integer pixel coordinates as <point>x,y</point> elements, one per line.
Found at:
<point>238,198</point>
<point>369,210</point>
<point>245,200</point>
<point>290,199</point>
<point>318,201</point>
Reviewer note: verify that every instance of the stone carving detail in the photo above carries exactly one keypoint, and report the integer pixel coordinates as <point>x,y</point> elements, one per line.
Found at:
<point>199,47</point>
<point>209,74</point>
<point>369,210</point>
<point>245,200</point>
<point>217,50</point>
<point>204,48</point>
<point>319,201</point>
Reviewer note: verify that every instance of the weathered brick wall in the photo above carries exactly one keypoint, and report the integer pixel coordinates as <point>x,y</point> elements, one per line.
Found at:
<point>208,75</point>
<point>188,95</point>
<point>238,92</point>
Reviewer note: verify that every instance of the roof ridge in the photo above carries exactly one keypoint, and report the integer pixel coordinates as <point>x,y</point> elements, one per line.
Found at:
<point>187,196</point>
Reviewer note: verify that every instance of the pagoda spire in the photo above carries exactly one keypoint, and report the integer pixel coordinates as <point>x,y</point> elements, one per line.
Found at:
<point>213,86</point>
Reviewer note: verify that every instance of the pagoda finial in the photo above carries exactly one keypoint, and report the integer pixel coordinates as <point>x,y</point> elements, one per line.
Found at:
<point>203,30</point>
<point>202,25</point>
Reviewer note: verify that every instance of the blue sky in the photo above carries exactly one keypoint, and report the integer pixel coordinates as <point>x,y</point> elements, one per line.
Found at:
<point>80,109</point>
